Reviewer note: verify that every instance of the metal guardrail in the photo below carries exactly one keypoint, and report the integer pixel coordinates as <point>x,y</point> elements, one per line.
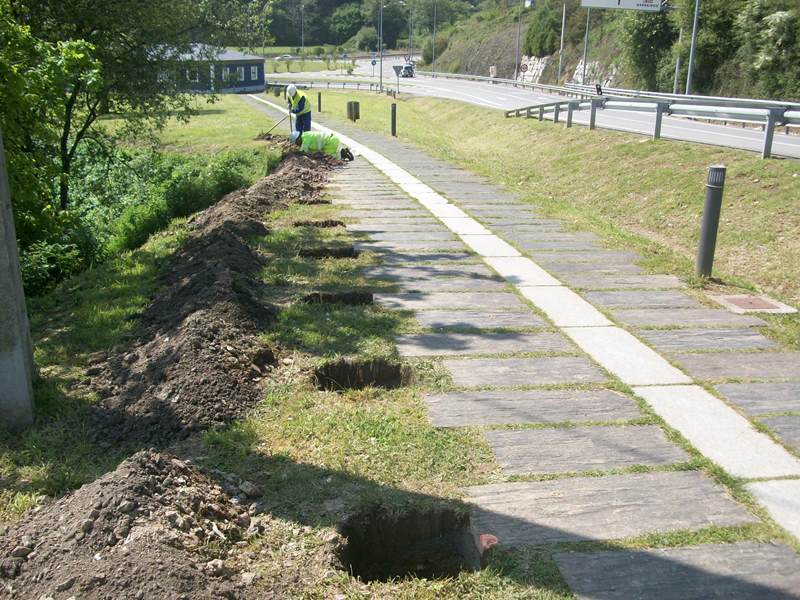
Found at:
<point>278,88</point>
<point>769,116</point>
<point>545,87</point>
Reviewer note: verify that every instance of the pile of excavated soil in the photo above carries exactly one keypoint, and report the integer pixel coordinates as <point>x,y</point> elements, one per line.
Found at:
<point>196,361</point>
<point>155,527</point>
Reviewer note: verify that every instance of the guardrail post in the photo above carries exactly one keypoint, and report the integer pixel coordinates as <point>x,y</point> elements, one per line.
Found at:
<point>556,110</point>
<point>715,186</point>
<point>541,113</point>
<point>660,106</point>
<point>570,110</point>
<point>394,119</point>
<point>528,113</point>
<point>593,114</point>
<point>769,131</point>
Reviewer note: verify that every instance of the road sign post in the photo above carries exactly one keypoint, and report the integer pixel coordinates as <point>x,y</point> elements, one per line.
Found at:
<point>16,357</point>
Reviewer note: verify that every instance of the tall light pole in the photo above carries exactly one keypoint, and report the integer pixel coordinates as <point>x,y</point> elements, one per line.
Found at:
<point>433,45</point>
<point>561,51</point>
<point>519,29</point>
<point>380,46</point>
<point>302,33</point>
<point>678,62</point>
<point>585,45</point>
<point>694,44</point>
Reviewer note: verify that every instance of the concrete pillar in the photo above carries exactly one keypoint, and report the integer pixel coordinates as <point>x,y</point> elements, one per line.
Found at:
<point>16,358</point>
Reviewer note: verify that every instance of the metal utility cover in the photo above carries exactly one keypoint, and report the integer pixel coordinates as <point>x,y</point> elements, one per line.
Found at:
<point>646,5</point>
<point>746,303</point>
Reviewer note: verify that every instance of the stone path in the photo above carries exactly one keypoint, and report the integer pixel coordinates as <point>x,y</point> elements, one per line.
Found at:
<point>538,365</point>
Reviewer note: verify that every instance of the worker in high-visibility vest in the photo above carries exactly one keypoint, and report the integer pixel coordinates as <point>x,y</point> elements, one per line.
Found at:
<point>300,107</point>
<point>316,141</point>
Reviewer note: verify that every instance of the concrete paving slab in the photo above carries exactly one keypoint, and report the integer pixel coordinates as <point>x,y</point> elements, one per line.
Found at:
<point>776,366</point>
<point>409,246</point>
<point>414,213</point>
<point>459,344</point>
<point>719,340</point>
<point>416,258</point>
<point>556,245</point>
<point>479,320</point>
<point>763,398</point>
<point>548,235</point>
<point>521,271</point>
<point>558,268</point>
<point>411,236</point>
<point>743,571</point>
<point>395,226</point>
<point>787,429</point>
<point>579,449</point>
<point>489,245</point>
<point>625,356</point>
<point>685,317</point>
<point>450,284</point>
<point>782,500</point>
<point>642,299</point>
<point>602,508</point>
<point>607,257</point>
<point>564,307</point>
<point>425,272</point>
<point>465,226</point>
<point>719,432</point>
<point>513,372</point>
<point>623,282</point>
<point>452,300</point>
<point>448,211</point>
<point>462,409</point>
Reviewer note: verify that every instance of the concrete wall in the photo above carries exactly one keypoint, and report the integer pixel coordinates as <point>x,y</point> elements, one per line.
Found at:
<point>16,359</point>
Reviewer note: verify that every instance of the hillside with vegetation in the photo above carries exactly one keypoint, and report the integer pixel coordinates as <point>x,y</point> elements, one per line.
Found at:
<point>744,47</point>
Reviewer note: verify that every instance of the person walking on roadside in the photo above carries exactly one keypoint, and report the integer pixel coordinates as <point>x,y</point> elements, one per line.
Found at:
<point>300,107</point>
<point>315,141</point>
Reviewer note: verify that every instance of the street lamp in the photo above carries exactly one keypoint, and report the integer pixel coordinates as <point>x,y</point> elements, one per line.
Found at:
<point>519,29</point>
<point>380,47</point>
<point>302,33</point>
<point>692,49</point>
<point>433,45</point>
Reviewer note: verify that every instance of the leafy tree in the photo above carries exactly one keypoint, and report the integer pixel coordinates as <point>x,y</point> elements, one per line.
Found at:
<point>544,30</point>
<point>647,41</point>
<point>395,19</point>
<point>141,47</point>
<point>367,38</point>
<point>345,22</point>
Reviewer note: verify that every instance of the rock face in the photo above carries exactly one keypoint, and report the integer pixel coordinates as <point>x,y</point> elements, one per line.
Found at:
<point>536,67</point>
<point>596,72</point>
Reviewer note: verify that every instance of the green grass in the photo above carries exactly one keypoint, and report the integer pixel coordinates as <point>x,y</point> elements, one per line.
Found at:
<point>229,123</point>
<point>88,313</point>
<point>297,65</point>
<point>636,193</point>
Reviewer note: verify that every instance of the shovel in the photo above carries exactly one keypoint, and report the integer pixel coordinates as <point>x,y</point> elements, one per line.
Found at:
<point>278,123</point>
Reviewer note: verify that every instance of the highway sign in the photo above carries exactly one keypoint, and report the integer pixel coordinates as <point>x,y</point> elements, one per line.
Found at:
<point>523,67</point>
<point>645,5</point>
<point>397,69</point>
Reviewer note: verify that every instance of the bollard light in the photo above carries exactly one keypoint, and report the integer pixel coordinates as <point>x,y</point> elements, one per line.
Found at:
<point>715,186</point>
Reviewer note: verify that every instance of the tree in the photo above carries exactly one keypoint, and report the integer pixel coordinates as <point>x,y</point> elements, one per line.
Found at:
<point>395,19</point>
<point>544,30</point>
<point>367,39</point>
<point>345,22</point>
<point>647,41</point>
<point>142,49</point>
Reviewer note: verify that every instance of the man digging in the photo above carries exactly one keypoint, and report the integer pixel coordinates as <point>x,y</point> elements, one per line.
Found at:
<point>315,141</point>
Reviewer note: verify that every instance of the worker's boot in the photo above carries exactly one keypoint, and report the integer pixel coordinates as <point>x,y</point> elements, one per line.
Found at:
<point>346,154</point>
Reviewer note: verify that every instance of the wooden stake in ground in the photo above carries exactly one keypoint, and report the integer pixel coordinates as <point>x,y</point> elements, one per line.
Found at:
<point>16,358</point>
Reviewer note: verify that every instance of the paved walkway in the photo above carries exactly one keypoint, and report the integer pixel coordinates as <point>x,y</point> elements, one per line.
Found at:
<point>538,326</point>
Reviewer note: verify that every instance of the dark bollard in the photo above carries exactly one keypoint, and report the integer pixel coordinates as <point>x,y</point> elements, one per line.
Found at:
<point>708,233</point>
<point>356,110</point>
<point>319,101</point>
<point>394,120</point>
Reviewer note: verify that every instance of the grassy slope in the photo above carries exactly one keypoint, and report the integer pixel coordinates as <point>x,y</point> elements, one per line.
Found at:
<point>634,191</point>
<point>89,313</point>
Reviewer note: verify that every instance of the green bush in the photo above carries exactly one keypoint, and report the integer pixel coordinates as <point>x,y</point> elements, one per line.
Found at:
<point>367,39</point>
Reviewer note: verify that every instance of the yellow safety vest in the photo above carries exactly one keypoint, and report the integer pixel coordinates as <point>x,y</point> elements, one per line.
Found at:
<point>295,100</point>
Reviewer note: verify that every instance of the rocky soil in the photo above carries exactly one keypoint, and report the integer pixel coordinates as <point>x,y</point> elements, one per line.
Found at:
<point>158,526</point>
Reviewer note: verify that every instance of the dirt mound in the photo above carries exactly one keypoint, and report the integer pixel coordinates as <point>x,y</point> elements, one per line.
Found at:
<point>196,361</point>
<point>156,527</point>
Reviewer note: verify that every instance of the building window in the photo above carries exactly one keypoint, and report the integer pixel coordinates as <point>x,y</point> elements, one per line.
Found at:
<point>240,73</point>
<point>193,75</point>
<point>253,73</point>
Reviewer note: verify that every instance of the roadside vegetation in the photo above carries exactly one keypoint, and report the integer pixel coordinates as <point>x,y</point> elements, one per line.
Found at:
<point>635,192</point>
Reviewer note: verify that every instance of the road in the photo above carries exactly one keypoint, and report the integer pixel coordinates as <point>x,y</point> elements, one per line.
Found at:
<point>502,97</point>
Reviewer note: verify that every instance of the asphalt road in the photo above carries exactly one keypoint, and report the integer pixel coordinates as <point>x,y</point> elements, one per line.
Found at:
<point>502,97</point>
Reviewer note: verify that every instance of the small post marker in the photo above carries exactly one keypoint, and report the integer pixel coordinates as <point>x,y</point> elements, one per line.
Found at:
<point>715,186</point>
<point>394,119</point>
<point>319,101</point>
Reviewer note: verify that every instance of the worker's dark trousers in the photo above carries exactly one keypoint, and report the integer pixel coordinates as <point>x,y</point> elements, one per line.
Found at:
<point>302,122</point>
